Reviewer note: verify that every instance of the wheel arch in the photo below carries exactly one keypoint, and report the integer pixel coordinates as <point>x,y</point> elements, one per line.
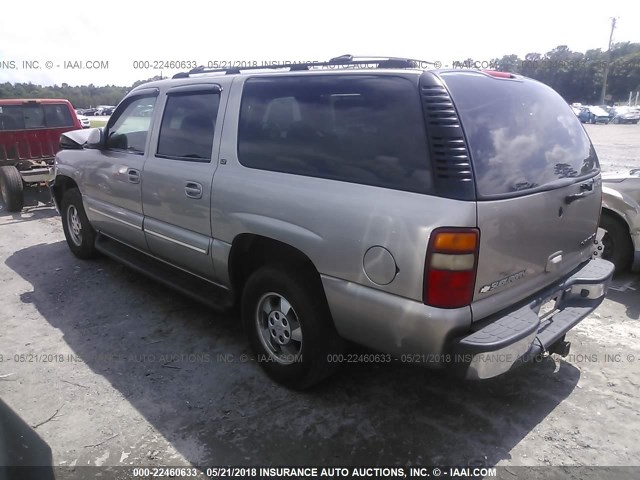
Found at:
<point>250,251</point>
<point>62,184</point>
<point>617,216</point>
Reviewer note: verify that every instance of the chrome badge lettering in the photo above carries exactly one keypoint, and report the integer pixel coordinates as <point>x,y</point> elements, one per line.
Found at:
<point>502,282</point>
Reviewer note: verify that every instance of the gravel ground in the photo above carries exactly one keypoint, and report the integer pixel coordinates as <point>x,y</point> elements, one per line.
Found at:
<point>113,369</point>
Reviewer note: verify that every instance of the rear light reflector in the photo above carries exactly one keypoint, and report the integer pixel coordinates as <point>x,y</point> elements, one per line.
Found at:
<point>443,261</point>
<point>450,267</point>
<point>497,74</point>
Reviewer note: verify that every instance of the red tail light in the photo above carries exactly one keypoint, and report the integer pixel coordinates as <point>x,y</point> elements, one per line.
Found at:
<point>450,267</point>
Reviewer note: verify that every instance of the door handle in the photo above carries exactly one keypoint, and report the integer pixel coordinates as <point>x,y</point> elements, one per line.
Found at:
<point>133,175</point>
<point>193,190</point>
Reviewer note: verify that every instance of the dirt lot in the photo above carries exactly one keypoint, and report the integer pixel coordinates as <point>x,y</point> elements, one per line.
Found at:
<point>114,369</point>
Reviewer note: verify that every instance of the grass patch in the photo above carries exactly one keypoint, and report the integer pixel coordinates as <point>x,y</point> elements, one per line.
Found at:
<point>98,123</point>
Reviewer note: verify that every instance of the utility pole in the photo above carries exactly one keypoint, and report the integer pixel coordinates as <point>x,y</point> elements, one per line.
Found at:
<point>608,61</point>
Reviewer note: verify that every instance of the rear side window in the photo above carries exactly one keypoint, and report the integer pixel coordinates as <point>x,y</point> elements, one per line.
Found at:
<point>354,128</point>
<point>522,134</point>
<point>20,117</point>
<point>188,125</point>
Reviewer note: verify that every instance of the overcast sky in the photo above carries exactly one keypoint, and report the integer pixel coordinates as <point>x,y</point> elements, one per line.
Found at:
<point>121,32</point>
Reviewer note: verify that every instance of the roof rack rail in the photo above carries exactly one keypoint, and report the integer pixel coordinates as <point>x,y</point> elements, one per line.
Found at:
<point>344,60</point>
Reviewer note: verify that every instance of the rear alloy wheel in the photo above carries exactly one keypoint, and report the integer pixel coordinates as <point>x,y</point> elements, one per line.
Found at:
<point>289,327</point>
<point>616,242</point>
<point>78,231</point>
<point>11,188</point>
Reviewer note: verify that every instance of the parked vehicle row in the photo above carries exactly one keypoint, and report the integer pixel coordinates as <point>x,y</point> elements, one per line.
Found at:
<point>606,114</point>
<point>356,204</point>
<point>99,110</point>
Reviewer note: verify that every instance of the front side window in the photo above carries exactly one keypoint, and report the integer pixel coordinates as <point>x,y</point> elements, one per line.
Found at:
<point>129,132</point>
<point>356,128</point>
<point>188,125</point>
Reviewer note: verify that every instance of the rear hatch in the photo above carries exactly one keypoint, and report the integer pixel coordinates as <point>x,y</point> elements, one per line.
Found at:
<point>31,129</point>
<point>537,184</point>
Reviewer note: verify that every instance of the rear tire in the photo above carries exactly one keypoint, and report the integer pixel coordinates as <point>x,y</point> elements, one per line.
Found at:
<point>78,231</point>
<point>618,248</point>
<point>12,188</point>
<point>289,327</point>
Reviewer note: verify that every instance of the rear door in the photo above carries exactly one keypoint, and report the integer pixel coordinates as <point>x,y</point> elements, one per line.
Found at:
<point>112,177</point>
<point>537,181</point>
<point>178,177</point>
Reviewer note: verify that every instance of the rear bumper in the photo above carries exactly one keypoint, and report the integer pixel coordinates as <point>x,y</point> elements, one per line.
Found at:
<point>511,338</point>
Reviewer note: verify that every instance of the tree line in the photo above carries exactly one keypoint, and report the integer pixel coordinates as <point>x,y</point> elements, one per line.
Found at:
<point>576,76</point>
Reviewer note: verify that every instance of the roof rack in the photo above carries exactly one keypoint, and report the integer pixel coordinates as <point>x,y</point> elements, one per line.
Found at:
<point>342,60</point>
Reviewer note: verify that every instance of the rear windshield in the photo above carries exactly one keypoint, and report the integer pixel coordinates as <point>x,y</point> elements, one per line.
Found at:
<point>360,129</point>
<point>35,115</point>
<point>522,134</point>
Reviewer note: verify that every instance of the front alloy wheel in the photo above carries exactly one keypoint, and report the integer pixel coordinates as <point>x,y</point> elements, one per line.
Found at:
<point>74,225</point>
<point>78,231</point>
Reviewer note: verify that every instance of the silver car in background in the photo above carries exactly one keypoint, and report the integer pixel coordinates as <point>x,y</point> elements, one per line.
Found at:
<point>621,219</point>
<point>441,217</point>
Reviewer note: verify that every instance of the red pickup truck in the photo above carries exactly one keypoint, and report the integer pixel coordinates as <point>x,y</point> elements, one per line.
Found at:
<point>29,139</point>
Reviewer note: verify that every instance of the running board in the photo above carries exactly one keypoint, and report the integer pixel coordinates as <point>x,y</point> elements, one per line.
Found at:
<point>198,289</point>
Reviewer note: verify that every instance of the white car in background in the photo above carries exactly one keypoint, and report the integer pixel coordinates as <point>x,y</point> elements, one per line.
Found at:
<point>625,114</point>
<point>84,120</point>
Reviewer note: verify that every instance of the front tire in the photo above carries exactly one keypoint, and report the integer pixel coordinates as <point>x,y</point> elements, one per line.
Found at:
<point>78,231</point>
<point>618,248</point>
<point>289,327</point>
<point>11,188</point>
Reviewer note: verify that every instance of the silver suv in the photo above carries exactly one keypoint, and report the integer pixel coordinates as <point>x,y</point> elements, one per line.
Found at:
<point>439,217</point>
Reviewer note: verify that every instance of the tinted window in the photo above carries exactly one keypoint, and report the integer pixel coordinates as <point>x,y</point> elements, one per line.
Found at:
<point>57,115</point>
<point>522,135</point>
<point>188,125</point>
<point>19,117</point>
<point>11,117</point>
<point>355,128</point>
<point>129,132</point>
<point>33,116</point>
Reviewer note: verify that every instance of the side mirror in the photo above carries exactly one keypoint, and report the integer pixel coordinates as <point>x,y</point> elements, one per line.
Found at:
<point>95,139</point>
